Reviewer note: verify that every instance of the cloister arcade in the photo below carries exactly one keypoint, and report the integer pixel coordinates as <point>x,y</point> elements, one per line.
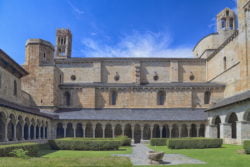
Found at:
<point>137,131</point>
<point>18,126</point>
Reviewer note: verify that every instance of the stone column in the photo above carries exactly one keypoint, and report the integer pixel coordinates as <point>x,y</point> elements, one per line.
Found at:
<point>103,132</point>
<point>133,131</point>
<point>29,131</point>
<point>161,127</point>
<point>141,132</point>
<point>180,128</point>
<point>40,132</point>
<point>243,129</point>
<point>6,130</point>
<point>113,131</point>
<point>197,131</point>
<point>93,131</point>
<point>64,130</point>
<point>14,137</point>
<point>83,130</point>
<point>211,131</point>
<point>170,131</point>
<point>22,135</point>
<point>188,129</point>
<point>74,129</point>
<point>35,132</point>
<point>151,131</point>
<point>123,130</point>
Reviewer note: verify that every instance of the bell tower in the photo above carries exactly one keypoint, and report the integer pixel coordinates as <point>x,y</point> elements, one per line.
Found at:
<point>226,21</point>
<point>63,44</point>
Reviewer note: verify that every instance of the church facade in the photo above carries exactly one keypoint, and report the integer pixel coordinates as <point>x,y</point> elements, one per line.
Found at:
<point>54,95</point>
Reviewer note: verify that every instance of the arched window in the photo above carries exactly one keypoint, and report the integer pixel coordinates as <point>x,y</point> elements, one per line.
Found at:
<point>161,98</point>
<point>223,23</point>
<point>233,121</point>
<point>67,98</point>
<point>225,63</point>
<point>231,23</point>
<point>207,97</point>
<point>15,88</point>
<point>113,98</point>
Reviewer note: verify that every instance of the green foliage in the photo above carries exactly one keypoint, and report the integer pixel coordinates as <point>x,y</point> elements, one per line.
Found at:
<point>158,142</point>
<point>20,153</point>
<point>125,141</point>
<point>84,144</point>
<point>246,146</point>
<point>31,148</point>
<point>194,143</point>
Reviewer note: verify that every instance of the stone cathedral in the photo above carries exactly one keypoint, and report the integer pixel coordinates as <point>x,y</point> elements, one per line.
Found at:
<point>55,95</point>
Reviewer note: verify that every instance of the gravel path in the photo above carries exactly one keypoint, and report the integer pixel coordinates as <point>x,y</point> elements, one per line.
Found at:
<point>139,157</point>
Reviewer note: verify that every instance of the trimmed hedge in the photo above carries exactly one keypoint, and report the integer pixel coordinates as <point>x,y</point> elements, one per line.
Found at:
<point>194,143</point>
<point>125,141</point>
<point>158,141</point>
<point>84,144</point>
<point>32,149</point>
<point>246,146</point>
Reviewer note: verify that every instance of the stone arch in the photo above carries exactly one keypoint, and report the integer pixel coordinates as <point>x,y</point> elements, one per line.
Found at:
<point>108,131</point>
<point>10,127</point>
<point>161,97</point>
<point>69,130</point>
<point>246,116</point>
<point>202,130</point>
<point>232,119</point>
<point>156,131</point>
<point>59,130</point>
<point>98,131</point>
<point>118,130</point>
<point>128,130</point>
<point>79,130</point>
<point>89,130</point>
<point>184,130</point>
<point>165,131</point>
<point>137,133</point>
<point>146,132</point>
<point>175,131</point>
<point>193,130</point>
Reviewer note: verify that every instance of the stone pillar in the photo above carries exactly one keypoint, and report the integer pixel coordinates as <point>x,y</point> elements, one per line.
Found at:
<point>151,131</point>
<point>103,132</point>
<point>14,137</point>
<point>170,131</point>
<point>161,127</point>
<point>188,129</point>
<point>180,128</point>
<point>22,125</point>
<point>83,131</point>
<point>74,129</point>
<point>6,130</point>
<point>93,131</point>
<point>35,132</point>
<point>123,130</point>
<point>133,131</point>
<point>113,131</point>
<point>243,129</point>
<point>29,131</point>
<point>40,132</point>
<point>197,131</point>
<point>226,131</point>
<point>64,130</point>
<point>141,132</point>
<point>211,131</point>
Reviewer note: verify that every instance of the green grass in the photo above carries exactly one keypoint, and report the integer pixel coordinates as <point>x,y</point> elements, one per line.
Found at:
<point>227,156</point>
<point>64,158</point>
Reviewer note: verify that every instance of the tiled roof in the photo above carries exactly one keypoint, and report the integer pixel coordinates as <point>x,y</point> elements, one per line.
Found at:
<point>29,110</point>
<point>176,114</point>
<point>231,100</point>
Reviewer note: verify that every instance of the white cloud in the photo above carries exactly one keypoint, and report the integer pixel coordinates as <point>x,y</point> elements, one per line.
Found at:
<point>75,9</point>
<point>137,44</point>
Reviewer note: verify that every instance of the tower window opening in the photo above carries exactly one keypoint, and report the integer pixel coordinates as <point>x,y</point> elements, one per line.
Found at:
<point>161,98</point>
<point>113,97</point>
<point>223,23</point>
<point>207,97</point>
<point>231,23</point>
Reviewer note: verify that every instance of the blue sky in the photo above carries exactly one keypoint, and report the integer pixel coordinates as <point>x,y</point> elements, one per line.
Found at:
<point>110,28</point>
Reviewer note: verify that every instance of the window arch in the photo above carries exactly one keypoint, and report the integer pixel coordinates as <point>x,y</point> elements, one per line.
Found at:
<point>67,98</point>
<point>223,23</point>
<point>113,98</point>
<point>233,121</point>
<point>207,97</point>
<point>161,96</point>
<point>15,88</point>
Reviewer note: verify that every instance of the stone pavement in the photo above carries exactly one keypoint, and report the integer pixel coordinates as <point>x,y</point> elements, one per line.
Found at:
<point>139,157</point>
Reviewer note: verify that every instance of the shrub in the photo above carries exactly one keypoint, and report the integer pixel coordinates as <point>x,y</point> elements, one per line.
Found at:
<point>158,142</point>
<point>31,148</point>
<point>246,146</point>
<point>194,143</point>
<point>125,141</point>
<point>20,153</point>
<point>84,144</point>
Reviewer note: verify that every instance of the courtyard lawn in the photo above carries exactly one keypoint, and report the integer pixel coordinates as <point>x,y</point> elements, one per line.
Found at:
<point>64,158</point>
<point>227,156</point>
